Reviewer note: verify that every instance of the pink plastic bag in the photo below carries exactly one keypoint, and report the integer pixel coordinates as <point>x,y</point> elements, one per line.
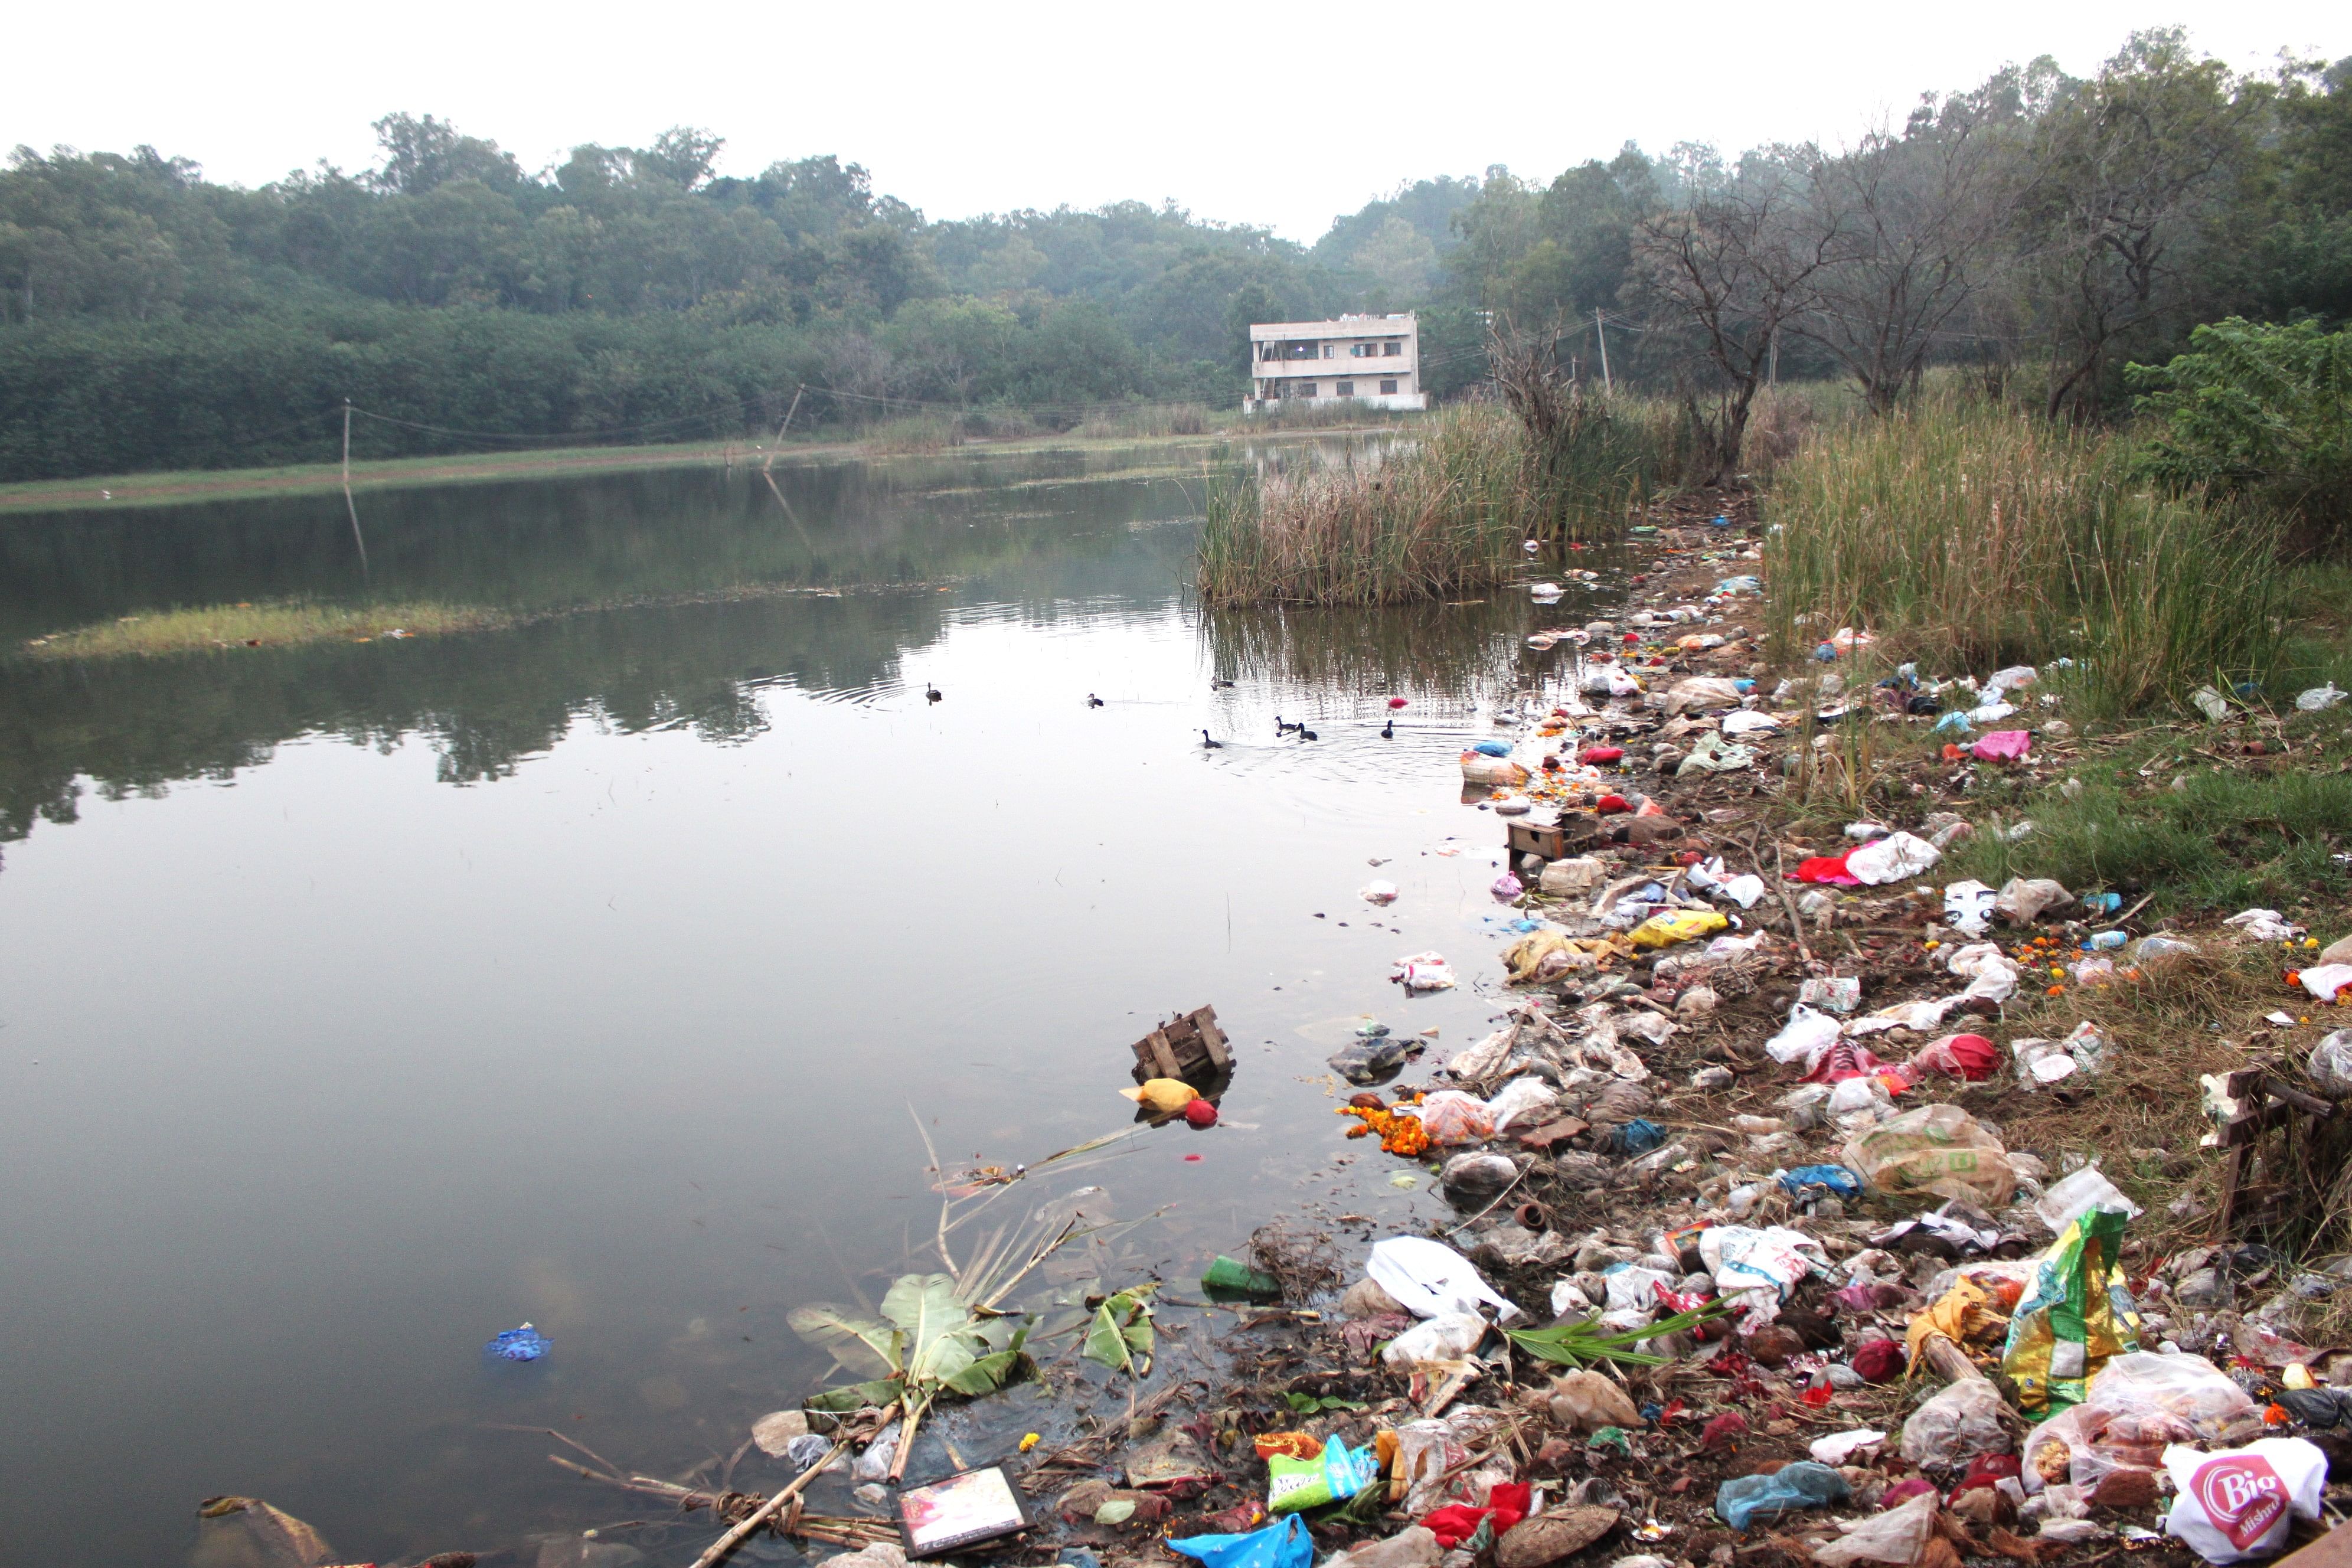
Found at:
<point>2003,746</point>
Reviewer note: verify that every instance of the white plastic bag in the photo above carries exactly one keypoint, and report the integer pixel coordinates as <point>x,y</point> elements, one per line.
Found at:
<point>1806,1039</point>
<point>1449,1336</point>
<point>2085,1190</point>
<point>1521,1100</point>
<point>2242,1503</point>
<point>2318,698</point>
<point>1898,1536</point>
<point>2324,981</point>
<point>1427,1277</point>
<point>2264,925</point>
<point>1742,1259</point>
<point>1896,857</point>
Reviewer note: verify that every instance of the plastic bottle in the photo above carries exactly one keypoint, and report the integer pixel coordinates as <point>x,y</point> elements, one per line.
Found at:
<point>2103,940</point>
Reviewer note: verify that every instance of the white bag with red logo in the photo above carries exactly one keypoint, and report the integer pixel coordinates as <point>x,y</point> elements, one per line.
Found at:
<point>2238,1503</point>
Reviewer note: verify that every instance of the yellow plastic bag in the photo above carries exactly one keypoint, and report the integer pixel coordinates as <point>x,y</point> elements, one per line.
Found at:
<point>1165,1095</point>
<point>1683,925</point>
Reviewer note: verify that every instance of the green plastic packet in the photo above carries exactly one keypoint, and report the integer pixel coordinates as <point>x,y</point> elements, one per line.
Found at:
<point>2075,1316</point>
<point>1235,1278</point>
<point>1336,1475</point>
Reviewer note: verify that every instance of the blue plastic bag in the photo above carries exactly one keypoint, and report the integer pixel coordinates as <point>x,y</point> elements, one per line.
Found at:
<point>1840,1182</point>
<point>1638,1136</point>
<point>1492,748</point>
<point>525,1343</point>
<point>1282,1544</point>
<point>1743,1499</point>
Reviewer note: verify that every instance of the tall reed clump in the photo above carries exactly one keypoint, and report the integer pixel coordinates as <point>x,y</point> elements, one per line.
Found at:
<point>1445,513</point>
<point>1442,515</point>
<point>1966,535</point>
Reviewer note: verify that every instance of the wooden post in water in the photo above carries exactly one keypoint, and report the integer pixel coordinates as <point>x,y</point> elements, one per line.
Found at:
<point>1602,334</point>
<point>787,425</point>
<point>349,505</point>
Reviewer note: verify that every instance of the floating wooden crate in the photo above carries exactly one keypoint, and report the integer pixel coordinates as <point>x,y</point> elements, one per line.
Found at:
<point>1553,841</point>
<point>1189,1046</point>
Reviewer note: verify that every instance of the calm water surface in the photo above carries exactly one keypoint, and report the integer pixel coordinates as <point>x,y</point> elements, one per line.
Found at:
<point>359,1001</point>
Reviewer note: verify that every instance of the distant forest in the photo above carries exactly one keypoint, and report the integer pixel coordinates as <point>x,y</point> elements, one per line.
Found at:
<point>2038,226</point>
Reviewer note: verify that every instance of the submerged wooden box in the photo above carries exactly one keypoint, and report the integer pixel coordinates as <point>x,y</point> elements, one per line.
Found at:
<point>1553,840</point>
<point>1189,1048</point>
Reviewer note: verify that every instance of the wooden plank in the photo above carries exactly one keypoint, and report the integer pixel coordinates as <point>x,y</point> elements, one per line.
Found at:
<point>1213,1039</point>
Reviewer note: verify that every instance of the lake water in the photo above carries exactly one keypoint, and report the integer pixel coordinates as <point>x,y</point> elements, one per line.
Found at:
<point>359,1001</point>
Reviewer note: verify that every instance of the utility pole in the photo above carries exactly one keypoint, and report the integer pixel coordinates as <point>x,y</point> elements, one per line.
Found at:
<point>1602,334</point>
<point>1773,375</point>
<point>347,443</point>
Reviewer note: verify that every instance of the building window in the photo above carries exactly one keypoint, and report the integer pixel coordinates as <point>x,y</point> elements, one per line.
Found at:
<point>1392,347</point>
<point>1328,351</point>
<point>1345,389</point>
<point>1302,389</point>
<point>1387,388</point>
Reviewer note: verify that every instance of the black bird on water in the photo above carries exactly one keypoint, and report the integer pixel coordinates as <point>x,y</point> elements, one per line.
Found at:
<point>931,692</point>
<point>1093,700</point>
<point>1209,745</point>
<point>1215,685</point>
<point>1305,733</point>
<point>1281,729</point>
<point>1388,730</point>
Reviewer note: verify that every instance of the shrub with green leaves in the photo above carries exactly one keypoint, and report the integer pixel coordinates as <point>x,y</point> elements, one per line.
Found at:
<point>2261,408</point>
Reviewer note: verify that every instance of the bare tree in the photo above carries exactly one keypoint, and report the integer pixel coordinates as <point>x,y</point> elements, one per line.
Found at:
<point>1907,223</point>
<point>1734,265</point>
<point>2126,166</point>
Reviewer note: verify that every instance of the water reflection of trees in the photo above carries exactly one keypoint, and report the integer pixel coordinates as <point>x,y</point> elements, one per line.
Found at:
<point>542,544</point>
<point>1467,650</point>
<point>483,702</point>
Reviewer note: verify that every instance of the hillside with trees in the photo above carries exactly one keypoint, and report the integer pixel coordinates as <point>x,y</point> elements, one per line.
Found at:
<point>2037,226</point>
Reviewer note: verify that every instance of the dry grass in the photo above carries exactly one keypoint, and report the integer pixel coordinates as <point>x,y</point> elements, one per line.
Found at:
<point>284,624</point>
<point>2142,1116</point>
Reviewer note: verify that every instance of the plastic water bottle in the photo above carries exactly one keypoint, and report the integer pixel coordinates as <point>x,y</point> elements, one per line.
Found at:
<point>2104,940</point>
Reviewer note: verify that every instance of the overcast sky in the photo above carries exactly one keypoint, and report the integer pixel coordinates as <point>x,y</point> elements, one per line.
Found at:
<point>1275,114</point>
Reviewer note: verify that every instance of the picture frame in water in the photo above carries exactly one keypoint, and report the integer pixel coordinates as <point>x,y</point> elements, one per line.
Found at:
<point>962,1510</point>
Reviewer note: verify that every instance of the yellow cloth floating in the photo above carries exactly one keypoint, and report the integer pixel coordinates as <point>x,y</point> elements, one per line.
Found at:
<point>1163,1095</point>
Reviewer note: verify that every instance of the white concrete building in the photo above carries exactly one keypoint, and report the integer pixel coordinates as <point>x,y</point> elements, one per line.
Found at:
<point>1356,359</point>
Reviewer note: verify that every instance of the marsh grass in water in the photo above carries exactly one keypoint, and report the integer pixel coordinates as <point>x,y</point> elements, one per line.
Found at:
<point>283,623</point>
<point>1446,514</point>
<point>1966,535</point>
